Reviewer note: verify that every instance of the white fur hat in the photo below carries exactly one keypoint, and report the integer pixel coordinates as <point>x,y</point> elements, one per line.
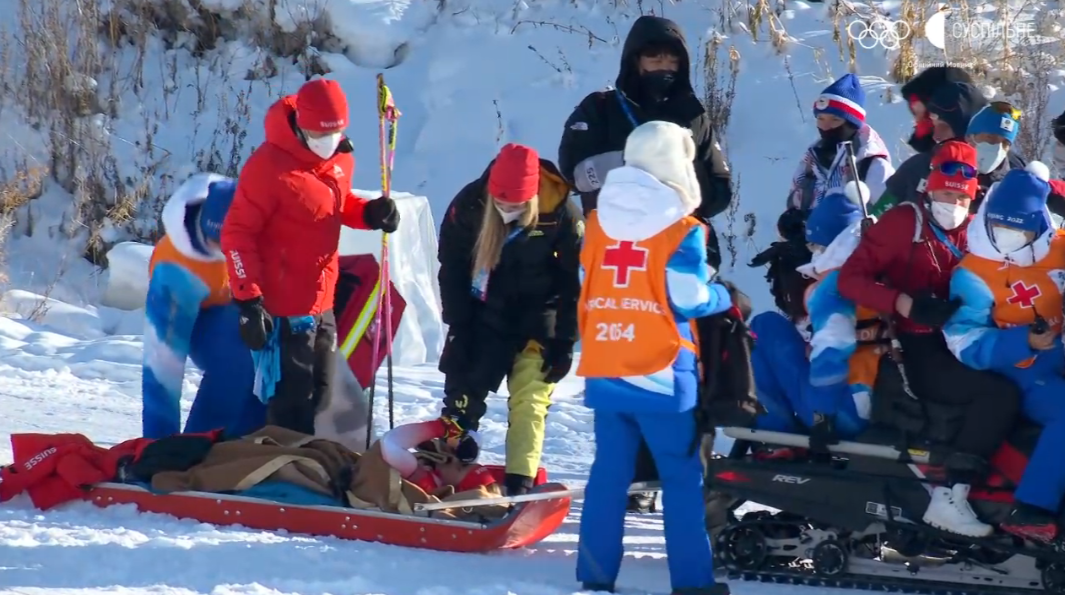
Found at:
<point>667,152</point>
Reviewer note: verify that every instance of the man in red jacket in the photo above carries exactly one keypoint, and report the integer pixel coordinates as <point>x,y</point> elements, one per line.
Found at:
<point>280,239</point>
<point>902,269</point>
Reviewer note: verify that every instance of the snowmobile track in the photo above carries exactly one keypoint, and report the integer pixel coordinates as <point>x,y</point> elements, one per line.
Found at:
<point>872,583</point>
<point>760,564</point>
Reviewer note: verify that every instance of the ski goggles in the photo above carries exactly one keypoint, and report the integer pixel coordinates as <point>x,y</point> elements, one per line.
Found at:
<point>1006,108</point>
<point>956,168</point>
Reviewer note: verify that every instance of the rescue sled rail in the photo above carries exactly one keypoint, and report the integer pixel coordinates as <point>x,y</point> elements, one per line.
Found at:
<point>362,512</point>
<point>637,488</point>
<point>880,451</point>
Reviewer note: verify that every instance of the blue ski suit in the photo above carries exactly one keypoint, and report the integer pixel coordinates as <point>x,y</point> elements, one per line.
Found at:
<point>189,314</point>
<point>832,374</point>
<point>646,277</point>
<point>1000,298</point>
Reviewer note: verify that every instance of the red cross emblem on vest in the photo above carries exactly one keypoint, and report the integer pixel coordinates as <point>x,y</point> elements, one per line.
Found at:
<point>1023,295</point>
<point>623,258</point>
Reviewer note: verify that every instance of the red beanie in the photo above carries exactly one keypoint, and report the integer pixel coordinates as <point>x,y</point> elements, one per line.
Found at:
<point>321,106</point>
<point>953,152</point>
<point>515,176</point>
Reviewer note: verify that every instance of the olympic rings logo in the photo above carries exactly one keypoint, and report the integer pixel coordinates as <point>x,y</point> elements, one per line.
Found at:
<point>880,31</point>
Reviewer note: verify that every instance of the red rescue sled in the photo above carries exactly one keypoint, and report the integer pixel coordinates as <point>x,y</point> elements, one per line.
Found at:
<point>527,524</point>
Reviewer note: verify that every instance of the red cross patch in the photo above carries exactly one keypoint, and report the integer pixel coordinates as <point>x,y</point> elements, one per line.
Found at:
<point>1024,295</point>
<point>623,258</point>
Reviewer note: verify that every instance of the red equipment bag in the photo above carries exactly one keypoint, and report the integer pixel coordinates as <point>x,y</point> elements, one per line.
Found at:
<point>357,293</point>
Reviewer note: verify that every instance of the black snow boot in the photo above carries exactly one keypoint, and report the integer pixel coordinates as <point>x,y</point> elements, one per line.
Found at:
<point>645,503</point>
<point>517,485</point>
<point>1032,523</point>
<point>597,587</point>
<point>715,589</point>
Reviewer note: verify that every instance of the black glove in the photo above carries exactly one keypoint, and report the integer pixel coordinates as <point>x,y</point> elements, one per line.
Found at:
<point>823,433</point>
<point>256,324</point>
<point>929,310</point>
<point>381,213</point>
<point>558,359</point>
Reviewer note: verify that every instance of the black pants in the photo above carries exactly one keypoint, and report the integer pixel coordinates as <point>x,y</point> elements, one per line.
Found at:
<point>308,365</point>
<point>971,410</point>
<point>645,464</point>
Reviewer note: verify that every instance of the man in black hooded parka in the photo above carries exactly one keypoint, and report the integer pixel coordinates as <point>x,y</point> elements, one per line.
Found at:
<point>654,83</point>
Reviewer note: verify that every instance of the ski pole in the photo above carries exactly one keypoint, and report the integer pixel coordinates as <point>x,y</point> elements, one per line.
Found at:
<point>642,487</point>
<point>889,325</point>
<point>388,121</point>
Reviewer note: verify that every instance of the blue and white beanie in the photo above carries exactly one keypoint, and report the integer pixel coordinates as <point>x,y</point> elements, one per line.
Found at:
<point>845,99</point>
<point>989,121</point>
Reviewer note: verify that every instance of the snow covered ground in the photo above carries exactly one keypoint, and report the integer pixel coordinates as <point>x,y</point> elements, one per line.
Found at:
<point>51,382</point>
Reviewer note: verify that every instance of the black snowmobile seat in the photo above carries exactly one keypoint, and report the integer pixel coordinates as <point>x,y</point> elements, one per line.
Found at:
<point>881,443</point>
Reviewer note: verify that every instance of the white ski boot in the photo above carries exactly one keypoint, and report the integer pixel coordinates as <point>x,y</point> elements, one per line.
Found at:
<point>949,510</point>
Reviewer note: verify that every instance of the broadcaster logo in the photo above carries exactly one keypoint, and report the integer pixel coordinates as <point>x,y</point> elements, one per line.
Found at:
<point>889,34</point>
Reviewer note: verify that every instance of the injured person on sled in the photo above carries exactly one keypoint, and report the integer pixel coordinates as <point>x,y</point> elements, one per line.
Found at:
<point>437,466</point>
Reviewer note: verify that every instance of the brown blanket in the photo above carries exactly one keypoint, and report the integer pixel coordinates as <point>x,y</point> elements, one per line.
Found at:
<point>323,466</point>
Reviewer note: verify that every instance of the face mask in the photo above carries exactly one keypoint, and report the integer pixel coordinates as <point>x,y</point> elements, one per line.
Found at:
<point>325,146</point>
<point>509,216</point>
<point>1008,240</point>
<point>656,83</point>
<point>989,156</point>
<point>834,136</point>
<point>949,216</point>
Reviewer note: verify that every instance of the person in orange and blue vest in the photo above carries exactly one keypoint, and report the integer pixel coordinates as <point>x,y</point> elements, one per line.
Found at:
<point>646,279</point>
<point>190,315</point>
<point>1010,286</point>
<point>821,386</point>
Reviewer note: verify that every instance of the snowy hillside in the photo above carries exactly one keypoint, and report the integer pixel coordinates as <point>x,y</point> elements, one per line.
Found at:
<point>468,76</point>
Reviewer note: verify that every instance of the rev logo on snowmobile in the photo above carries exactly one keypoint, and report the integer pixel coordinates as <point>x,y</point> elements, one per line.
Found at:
<point>792,479</point>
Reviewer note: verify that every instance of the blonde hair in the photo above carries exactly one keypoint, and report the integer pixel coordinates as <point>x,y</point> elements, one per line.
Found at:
<point>493,233</point>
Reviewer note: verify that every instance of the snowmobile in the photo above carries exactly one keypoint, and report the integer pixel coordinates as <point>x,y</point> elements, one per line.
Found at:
<point>851,518</point>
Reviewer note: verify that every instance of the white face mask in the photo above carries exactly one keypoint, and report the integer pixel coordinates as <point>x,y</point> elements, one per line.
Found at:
<point>509,216</point>
<point>325,146</point>
<point>989,156</point>
<point>949,216</point>
<point>1008,240</point>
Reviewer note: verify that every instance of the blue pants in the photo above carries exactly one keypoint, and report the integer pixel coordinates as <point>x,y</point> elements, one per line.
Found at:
<point>669,437</point>
<point>1043,483</point>
<point>225,399</point>
<point>782,379</point>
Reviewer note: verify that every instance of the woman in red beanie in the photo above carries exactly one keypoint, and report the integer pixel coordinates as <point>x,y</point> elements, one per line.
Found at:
<point>280,240</point>
<point>509,283</point>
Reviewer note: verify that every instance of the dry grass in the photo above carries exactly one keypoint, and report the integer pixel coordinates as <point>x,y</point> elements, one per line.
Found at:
<point>68,69</point>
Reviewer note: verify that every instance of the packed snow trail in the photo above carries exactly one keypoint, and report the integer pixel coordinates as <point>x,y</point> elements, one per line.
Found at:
<point>51,383</point>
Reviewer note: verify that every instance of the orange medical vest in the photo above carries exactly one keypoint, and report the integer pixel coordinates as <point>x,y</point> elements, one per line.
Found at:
<point>212,273</point>
<point>626,324</point>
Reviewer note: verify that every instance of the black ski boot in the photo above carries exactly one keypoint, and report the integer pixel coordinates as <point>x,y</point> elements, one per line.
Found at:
<point>516,485</point>
<point>597,587</point>
<point>645,503</point>
<point>1032,523</point>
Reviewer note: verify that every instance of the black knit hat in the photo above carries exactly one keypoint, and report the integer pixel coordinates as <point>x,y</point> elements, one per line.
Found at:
<point>956,103</point>
<point>924,85</point>
<point>1059,128</point>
